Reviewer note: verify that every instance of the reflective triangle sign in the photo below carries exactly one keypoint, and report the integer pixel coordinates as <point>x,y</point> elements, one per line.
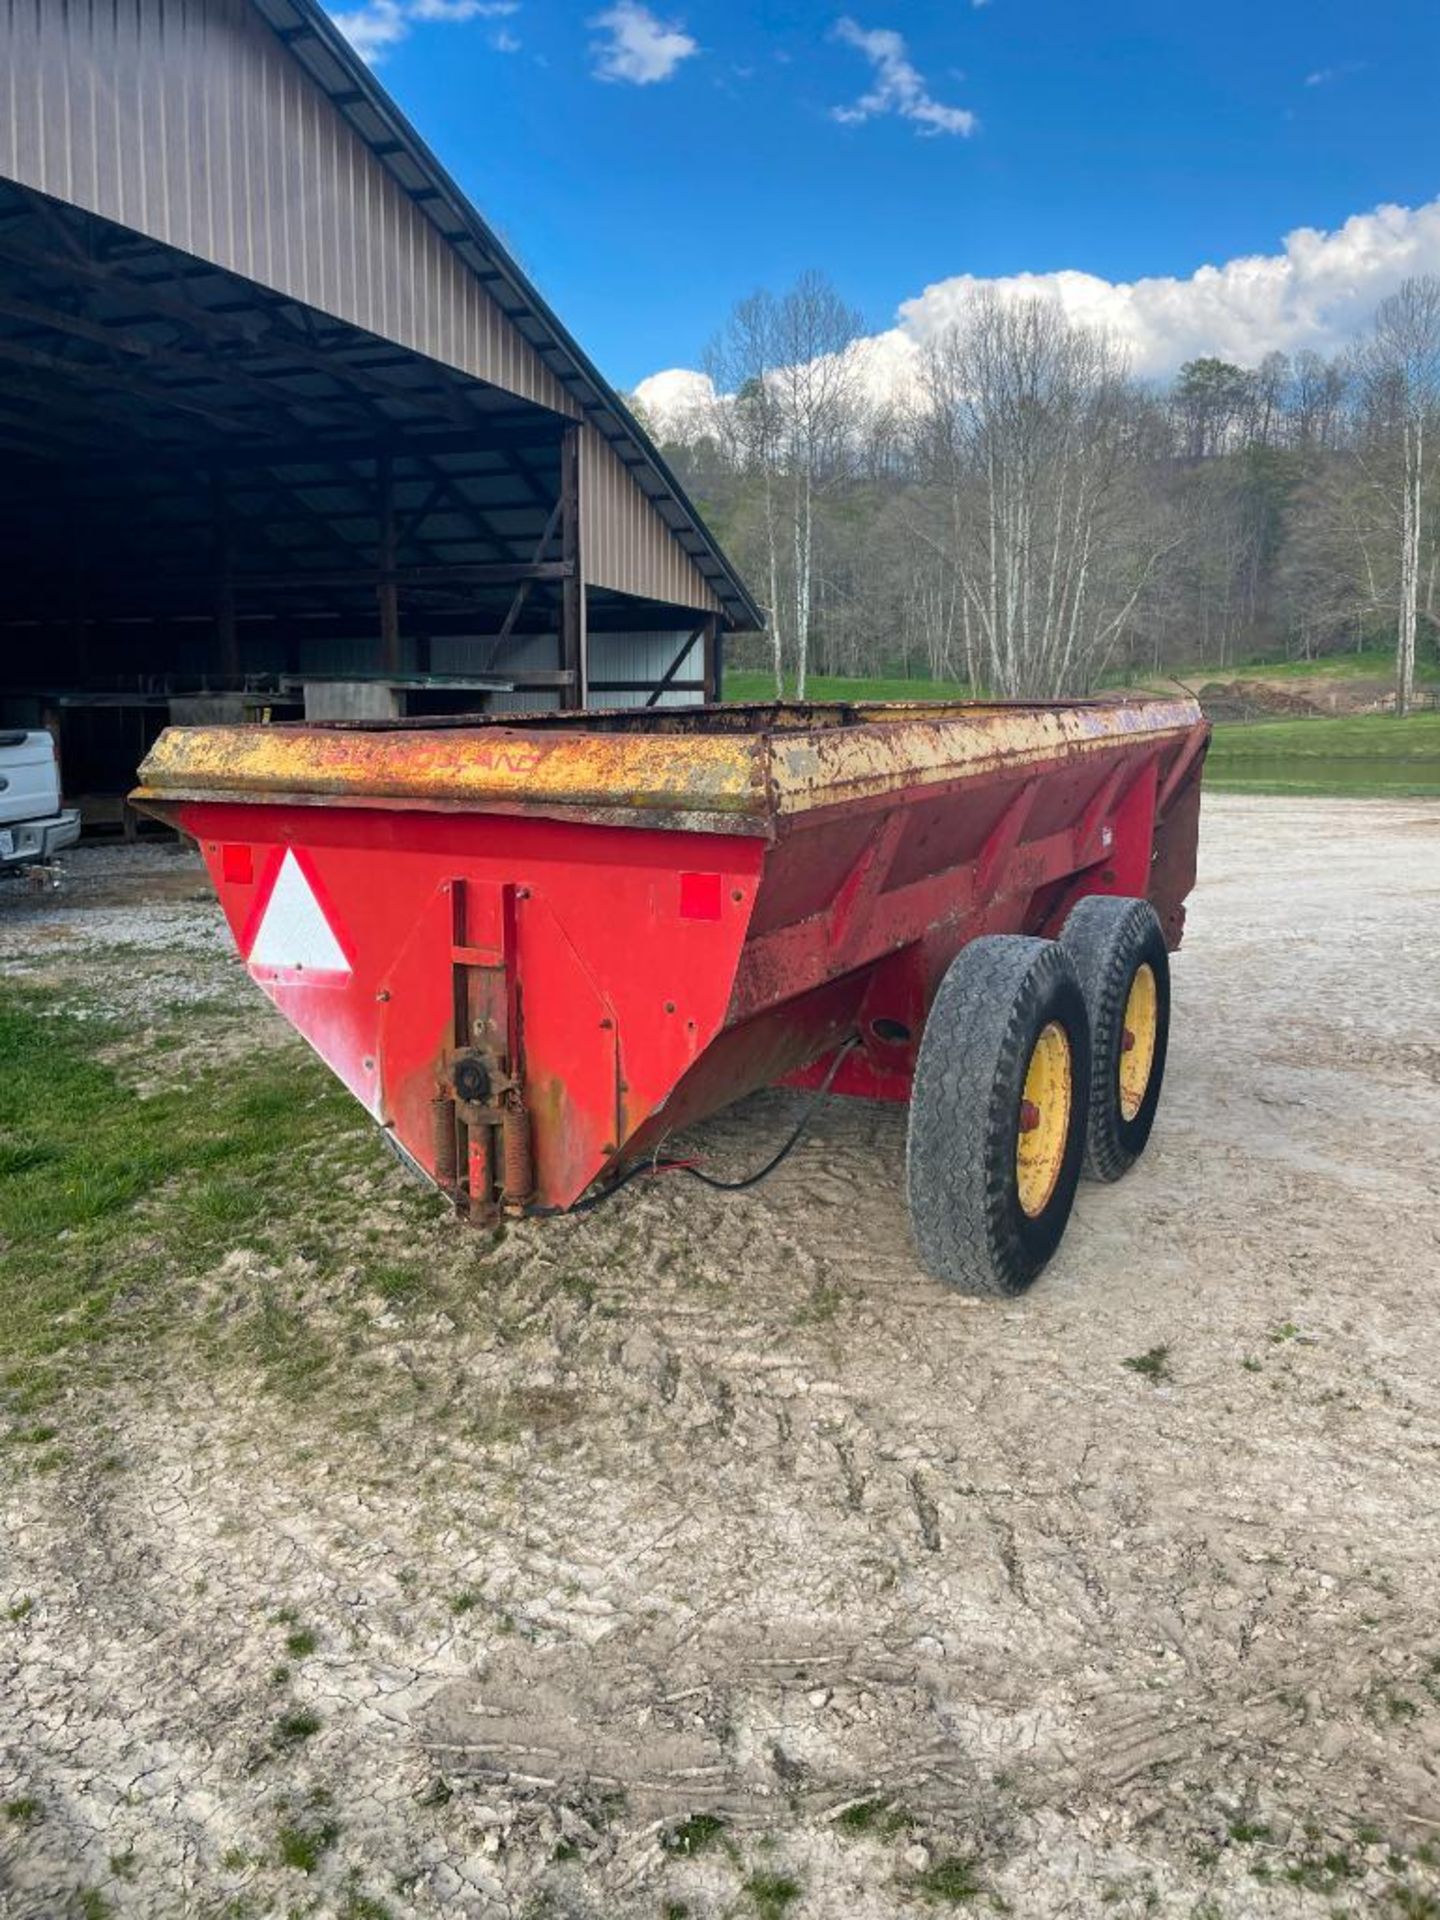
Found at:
<point>294,936</point>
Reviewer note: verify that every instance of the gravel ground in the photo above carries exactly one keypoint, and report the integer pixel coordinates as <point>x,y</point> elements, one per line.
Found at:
<point>719,1508</point>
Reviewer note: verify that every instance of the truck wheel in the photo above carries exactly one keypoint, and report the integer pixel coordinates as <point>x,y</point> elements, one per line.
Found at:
<point>997,1114</point>
<point>1118,950</point>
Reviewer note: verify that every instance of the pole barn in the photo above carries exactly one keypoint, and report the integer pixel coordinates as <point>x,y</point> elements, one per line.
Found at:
<point>284,427</point>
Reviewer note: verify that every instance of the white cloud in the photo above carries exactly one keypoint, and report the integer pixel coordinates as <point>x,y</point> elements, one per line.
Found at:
<point>677,401</point>
<point>1326,76</point>
<point>898,87</point>
<point>637,46</point>
<point>377,25</point>
<point>374,28</point>
<point>1318,292</point>
<point>672,400</point>
<point>458,9</point>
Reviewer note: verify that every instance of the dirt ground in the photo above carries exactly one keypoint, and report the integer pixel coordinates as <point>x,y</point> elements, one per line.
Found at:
<point>1248,697</point>
<point>729,1567</point>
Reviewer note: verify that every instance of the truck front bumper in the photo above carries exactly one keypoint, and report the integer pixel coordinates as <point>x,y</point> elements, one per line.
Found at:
<point>28,843</point>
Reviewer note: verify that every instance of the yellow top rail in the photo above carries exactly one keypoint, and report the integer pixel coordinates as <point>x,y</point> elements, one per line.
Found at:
<point>696,770</point>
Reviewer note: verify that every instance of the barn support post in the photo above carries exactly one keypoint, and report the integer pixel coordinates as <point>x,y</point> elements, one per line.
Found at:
<point>710,672</point>
<point>574,640</point>
<point>388,590</point>
<point>226,629</point>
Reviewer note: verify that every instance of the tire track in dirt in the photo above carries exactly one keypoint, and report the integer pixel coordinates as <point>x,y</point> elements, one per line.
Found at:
<point>720,1505</point>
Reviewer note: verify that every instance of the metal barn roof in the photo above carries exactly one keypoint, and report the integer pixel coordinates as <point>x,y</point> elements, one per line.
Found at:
<point>353,89</point>
<point>247,136</point>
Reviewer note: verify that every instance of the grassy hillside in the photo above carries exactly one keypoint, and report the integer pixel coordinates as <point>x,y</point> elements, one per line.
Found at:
<point>761,686</point>
<point>1351,753</point>
<point>1372,664</point>
<point>1354,736</point>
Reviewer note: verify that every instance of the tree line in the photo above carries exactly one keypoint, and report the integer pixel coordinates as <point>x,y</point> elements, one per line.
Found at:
<point>1027,516</point>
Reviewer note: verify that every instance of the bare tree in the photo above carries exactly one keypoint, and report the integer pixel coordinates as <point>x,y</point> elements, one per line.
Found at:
<point>816,390</point>
<point>741,362</point>
<point>1030,514</point>
<point>1316,400</point>
<point>786,378</point>
<point>1270,384</point>
<point>1032,428</point>
<point>1401,366</point>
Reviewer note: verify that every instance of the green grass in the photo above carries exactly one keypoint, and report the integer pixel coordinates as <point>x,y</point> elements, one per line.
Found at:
<point>108,1196</point>
<point>1375,663</point>
<point>1368,753</point>
<point>302,1847</point>
<point>694,1835</point>
<point>1372,663</point>
<point>1153,1366</point>
<point>1361,736</point>
<point>874,1817</point>
<point>951,1880</point>
<point>773,1894</point>
<point>748,686</point>
<point>293,1729</point>
<point>363,1906</point>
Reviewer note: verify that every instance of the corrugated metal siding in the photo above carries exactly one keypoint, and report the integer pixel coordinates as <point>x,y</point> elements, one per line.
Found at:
<point>188,121</point>
<point>644,656</point>
<point>621,533</point>
<point>613,656</point>
<point>453,655</point>
<point>353,657</point>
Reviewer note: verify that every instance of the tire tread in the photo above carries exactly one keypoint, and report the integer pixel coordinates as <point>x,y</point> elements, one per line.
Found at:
<point>1102,935</point>
<point>974,1039</point>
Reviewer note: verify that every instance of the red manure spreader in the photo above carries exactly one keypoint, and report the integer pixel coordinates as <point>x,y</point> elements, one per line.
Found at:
<point>536,946</point>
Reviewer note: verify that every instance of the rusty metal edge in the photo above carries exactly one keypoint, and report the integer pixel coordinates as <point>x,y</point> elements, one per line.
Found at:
<point>728,783</point>
<point>915,749</point>
<point>164,804</point>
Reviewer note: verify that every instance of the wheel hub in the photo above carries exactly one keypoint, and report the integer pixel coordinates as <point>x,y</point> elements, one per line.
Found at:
<point>1137,1047</point>
<point>1044,1124</point>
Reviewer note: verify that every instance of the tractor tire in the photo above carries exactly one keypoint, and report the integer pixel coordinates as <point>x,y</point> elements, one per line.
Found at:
<point>997,1114</point>
<point>1118,951</point>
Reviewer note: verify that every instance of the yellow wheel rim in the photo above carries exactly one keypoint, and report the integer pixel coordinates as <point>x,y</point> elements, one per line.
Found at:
<point>1137,1042</point>
<point>1044,1119</point>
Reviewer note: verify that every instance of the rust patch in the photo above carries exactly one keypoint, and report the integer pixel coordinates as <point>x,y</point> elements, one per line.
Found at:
<point>699,776</point>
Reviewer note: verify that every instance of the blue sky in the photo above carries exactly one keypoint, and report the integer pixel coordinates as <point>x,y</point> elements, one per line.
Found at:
<point>651,165</point>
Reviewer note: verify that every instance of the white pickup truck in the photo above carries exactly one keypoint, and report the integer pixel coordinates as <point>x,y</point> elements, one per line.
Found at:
<point>33,825</point>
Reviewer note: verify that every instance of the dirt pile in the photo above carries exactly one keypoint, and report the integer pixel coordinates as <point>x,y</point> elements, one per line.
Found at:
<point>1253,700</point>
<point>1298,697</point>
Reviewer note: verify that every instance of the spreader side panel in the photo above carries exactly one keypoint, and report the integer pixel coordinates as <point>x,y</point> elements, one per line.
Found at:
<point>578,971</point>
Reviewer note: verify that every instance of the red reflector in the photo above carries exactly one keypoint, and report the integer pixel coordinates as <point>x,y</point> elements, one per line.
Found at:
<point>237,866</point>
<point>699,896</point>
